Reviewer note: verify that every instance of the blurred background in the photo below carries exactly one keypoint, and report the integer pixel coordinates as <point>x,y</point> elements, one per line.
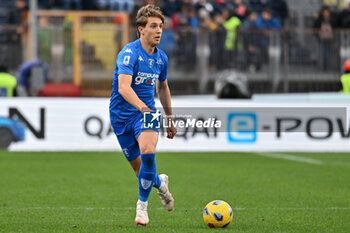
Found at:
<point>265,46</point>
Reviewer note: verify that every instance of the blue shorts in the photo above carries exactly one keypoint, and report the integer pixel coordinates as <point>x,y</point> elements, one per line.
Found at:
<point>127,133</point>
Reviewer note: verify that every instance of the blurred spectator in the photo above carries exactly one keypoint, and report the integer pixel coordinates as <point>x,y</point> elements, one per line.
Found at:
<point>68,40</point>
<point>267,21</point>
<point>45,4</point>
<point>7,83</point>
<point>15,34</point>
<point>204,4</point>
<point>138,4</point>
<point>167,41</point>
<point>151,2</point>
<point>250,22</point>
<point>217,43</point>
<point>121,5</point>
<point>204,9</point>
<point>170,7</point>
<point>345,78</point>
<point>44,39</point>
<point>180,20</point>
<point>256,5</point>
<point>343,19</point>
<point>231,24</point>
<point>185,3</point>
<point>49,4</point>
<point>89,4</point>
<point>325,23</point>
<point>238,8</point>
<point>25,79</point>
<point>193,20</point>
<point>102,4</point>
<point>72,4</point>
<point>16,14</point>
<point>185,42</point>
<point>251,42</point>
<point>3,15</point>
<point>279,9</point>
<point>219,5</point>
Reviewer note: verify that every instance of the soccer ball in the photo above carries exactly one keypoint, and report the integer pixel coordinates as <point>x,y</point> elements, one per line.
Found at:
<point>217,214</point>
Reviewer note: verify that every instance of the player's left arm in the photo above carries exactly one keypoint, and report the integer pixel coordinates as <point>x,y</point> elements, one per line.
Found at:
<point>165,99</point>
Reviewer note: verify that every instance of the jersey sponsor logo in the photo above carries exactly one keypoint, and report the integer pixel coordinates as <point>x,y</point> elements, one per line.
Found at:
<point>146,78</point>
<point>146,184</point>
<point>151,62</point>
<point>128,51</point>
<point>126,61</point>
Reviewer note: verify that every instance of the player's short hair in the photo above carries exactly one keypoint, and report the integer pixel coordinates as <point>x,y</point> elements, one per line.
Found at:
<point>144,13</point>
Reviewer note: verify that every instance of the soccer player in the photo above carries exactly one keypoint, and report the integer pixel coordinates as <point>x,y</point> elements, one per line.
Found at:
<point>139,68</point>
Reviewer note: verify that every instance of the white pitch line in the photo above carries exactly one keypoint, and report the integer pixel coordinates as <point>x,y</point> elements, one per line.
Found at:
<point>291,157</point>
<point>294,208</point>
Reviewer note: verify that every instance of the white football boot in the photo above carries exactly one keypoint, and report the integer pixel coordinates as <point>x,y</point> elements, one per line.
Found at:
<point>163,192</point>
<point>141,213</point>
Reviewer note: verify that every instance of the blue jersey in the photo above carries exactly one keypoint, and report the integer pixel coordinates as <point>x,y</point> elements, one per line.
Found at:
<point>145,69</point>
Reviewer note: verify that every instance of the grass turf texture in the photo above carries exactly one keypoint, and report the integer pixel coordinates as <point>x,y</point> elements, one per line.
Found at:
<point>97,192</point>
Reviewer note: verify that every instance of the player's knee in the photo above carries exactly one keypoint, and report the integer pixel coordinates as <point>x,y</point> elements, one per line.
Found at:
<point>148,149</point>
<point>148,160</point>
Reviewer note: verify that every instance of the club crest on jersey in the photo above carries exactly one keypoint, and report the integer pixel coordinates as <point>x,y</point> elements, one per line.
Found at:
<point>151,62</point>
<point>126,152</point>
<point>160,62</point>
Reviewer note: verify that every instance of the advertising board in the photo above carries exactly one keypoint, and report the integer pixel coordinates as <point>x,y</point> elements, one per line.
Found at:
<point>68,124</point>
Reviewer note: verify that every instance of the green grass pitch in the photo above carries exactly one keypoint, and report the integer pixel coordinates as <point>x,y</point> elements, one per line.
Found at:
<point>97,192</point>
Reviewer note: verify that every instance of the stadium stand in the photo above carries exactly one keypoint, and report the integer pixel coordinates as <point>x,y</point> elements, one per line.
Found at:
<point>288,60</point>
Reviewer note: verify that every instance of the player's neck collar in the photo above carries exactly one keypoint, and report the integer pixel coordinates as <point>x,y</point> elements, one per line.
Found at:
<point>151,54</point>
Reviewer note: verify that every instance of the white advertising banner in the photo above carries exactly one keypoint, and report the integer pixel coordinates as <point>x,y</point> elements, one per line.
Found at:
<point>82,124</point>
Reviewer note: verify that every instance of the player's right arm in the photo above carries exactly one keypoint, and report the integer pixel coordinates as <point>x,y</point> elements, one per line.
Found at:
<point>126,62</point>
<point>125,90</point>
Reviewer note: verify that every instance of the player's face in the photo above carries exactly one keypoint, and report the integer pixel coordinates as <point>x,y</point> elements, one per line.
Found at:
<point>152,31</point>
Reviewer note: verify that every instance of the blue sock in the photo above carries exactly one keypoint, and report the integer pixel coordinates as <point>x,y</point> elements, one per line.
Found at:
<point>156,181</point>
<point>146,175</point>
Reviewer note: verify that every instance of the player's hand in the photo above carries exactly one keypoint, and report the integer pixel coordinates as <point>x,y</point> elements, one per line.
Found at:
<point>171,130</point>
<point>146,109</point>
